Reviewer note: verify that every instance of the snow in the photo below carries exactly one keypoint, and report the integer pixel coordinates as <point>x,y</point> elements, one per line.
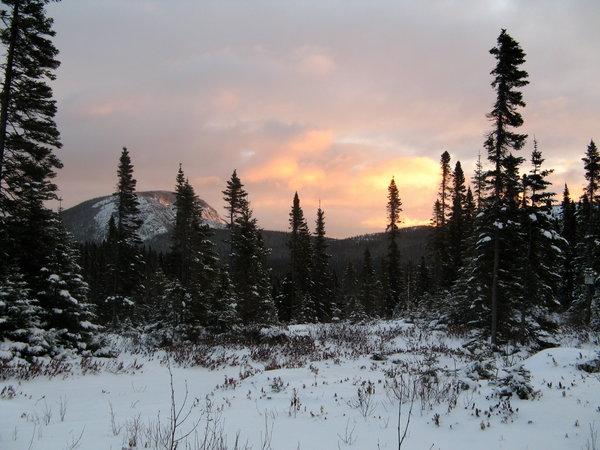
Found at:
<point>484,240</point>
<point>157,213</point>
<point>66,294</point>
<point>342,396</point>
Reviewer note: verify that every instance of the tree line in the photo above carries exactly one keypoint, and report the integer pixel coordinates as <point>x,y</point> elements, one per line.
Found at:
<point>504,264</point>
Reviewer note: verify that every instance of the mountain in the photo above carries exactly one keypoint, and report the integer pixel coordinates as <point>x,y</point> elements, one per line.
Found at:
<point>88,221</point>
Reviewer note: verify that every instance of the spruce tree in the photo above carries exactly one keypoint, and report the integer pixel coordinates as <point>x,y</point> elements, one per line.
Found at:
<point>508,79</point>
<point>192,259</point>
<point>458,224</point>
<point>494,267</point>
<point>568,229</point>
<point>223,315</point>
<point>28,138</point>
<point>235,198</point>
<point>439,241</point>
<point>300,303</point>
<point>322,288</point>
<point>588,245</point>
<point>479,183</point>
<point>69,317</point>
<point>542,254</point>
<point>22,333</point>
<point>249,271</point>
<point>42,285</point>
<point>393,288</point>
<point>127,265</point>
<point>445,186</point>
<point>28,133</point>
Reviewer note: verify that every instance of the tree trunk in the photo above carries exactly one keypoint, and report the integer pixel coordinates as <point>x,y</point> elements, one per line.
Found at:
<point>8,76</point>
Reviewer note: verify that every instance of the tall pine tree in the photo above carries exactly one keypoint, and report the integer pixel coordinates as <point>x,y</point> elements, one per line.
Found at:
<point>127,262</point>
<point>588,245</point>
<point>300,304</point>
<point>41,281</point>
<point>542,255</point>
<point>192,259</point>
<point>393,288</point>
<point>322,289</point>
<point>488,302</point>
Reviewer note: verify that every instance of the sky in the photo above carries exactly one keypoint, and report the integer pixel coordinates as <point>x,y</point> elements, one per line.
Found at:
<point>329,98</point>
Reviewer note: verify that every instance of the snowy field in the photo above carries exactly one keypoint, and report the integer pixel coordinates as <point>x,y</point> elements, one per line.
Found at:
<point>310,387</point>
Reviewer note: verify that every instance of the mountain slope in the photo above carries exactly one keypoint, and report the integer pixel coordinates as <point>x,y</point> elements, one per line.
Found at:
<point>88,221</point>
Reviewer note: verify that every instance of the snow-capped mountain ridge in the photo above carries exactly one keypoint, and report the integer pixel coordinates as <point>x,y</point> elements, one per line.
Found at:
<point>88,221</point>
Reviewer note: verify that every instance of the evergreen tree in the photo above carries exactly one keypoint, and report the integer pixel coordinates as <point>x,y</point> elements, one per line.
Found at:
<point>21,328</point>
<point>445,187</point>
<point>127,265</point>
<point>479,183</point>
<point>28,133</point>
<point>41,281</point>
<point>251,286</point>
<point>459,224</point>
<point>588,246</point>
<point>28,139</point>
<point>236,198</point>
<point>322,291</point>
<point>223,315</point>
<point>542,254</point>
<point>249,272</point>
<point>508,78</point>
<point>394,207</point>
<point>300,303</point>
<point>192,259</point>
<point>439,242</point>
<point>184,234</point>
<point>69,317</point>
<point>495,257</point>
<point>569,233</point>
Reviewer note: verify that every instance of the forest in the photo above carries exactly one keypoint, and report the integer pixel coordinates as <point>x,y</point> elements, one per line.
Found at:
<point>506,262</point>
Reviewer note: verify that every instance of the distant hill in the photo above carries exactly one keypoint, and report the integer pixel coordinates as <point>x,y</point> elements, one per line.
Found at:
<point>88,222</point>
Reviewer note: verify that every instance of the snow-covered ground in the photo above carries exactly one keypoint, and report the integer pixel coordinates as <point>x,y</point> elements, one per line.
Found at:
<point>310,387</point>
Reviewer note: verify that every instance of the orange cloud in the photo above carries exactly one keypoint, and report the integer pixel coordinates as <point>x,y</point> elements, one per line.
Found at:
<point>416,178</point>
<point>312,141</point>
<point>213,180</point>
<point>277,168</point>
<point>314,61</point>
<point>108,106</point>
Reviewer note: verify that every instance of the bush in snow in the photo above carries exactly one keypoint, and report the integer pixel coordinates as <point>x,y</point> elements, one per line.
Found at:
<point>516,381</point>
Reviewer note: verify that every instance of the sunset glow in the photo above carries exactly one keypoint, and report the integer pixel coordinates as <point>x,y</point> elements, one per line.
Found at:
<point>330,99</point>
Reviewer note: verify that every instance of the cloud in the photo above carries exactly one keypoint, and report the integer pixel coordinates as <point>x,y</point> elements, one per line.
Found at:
<point>314,62</point>
<point>330,98</point>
